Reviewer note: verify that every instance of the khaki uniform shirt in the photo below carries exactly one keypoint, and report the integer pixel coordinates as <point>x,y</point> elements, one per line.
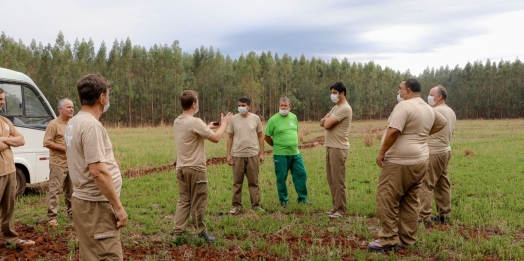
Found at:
<point>54,133</point>
<point>414,118</point>
<point>87,142</point>
<point>190,133</point>
<point>439,142</point>
<point>245,135</point>
<point>337,136</point>
<point>7,160</point>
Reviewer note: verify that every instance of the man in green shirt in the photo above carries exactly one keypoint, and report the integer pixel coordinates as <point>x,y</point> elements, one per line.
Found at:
<point>282,134</point>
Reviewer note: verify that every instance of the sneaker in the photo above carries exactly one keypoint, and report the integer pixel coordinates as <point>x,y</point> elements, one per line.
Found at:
<point>441,219</point>
<point>258,209</point>
<point>284,204</point>
<point>336,215</point>
<point>330,212</point>
<point>208,238</point>
<point>427,223</point>
<point>235,210</point>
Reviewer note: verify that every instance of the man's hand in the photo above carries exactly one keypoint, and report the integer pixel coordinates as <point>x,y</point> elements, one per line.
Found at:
<point>229,160</point>
<point>261,157</point>
<point>121,217</point>
<point>226,119</point>
<point>380,159</point>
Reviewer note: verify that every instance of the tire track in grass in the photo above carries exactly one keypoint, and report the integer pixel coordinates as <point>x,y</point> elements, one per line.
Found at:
<point>140,172</point>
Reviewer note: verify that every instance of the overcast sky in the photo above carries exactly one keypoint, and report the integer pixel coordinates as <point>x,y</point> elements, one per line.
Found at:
<point>401,34</point>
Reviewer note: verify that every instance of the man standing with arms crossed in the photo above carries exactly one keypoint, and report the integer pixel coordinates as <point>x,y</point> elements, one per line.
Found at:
<point>59,180</point>
<point>9,137</point>
<point>245,148</point>
<point>282,134</point>
<point>337,124</point>
<point>191,171</point>
<point>437,179</point>
<point>403,159</point>
<point>98,213</point>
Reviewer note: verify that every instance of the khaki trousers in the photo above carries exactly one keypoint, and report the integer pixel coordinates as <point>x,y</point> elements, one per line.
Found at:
<point>398,203</point>
<point>247,166</point>
<point>192,200</point>
<point>95,225</point>
<point>436,182</point>
<point>59,182</point>
<point>336,177</point>
<point>7,202</point>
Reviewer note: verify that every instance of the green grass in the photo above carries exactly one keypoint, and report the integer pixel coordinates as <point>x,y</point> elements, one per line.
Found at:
<point>486,186</point>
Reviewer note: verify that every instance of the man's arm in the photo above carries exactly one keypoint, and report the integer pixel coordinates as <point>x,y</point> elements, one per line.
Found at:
<point>229,159</point>
<point>13,141</point>
<point>439,123</point>
<point>3,146</point>
<point>55,146</point>
<point>329,122</point>
<point>261,147</point>
<point>269,140</point>
<point>215,137</point>
<point>391,137</point>
<point>104,182</point>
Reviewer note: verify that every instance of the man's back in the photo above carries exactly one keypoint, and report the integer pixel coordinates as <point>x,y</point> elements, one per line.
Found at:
<point>414,118</point>
<point>439,142</point>
<point>88,142</point>
<point>190,133</point>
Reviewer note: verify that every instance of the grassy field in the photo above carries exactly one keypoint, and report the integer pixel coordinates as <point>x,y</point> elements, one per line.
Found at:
<point>487,174</point>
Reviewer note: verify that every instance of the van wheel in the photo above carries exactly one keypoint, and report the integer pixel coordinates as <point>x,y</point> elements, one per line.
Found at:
<point>20,182</point>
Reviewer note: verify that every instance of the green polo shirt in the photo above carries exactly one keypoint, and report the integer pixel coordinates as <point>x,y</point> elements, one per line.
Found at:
<point>284,131</point>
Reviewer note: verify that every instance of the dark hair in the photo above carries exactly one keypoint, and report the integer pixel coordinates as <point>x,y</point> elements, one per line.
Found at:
<point>1,91</point>
<point>339,87</point>
<point>413,84</point>
<point>90,87</point>
<point>245,100</point>
<point>187,98</point>
<point>442,91</point>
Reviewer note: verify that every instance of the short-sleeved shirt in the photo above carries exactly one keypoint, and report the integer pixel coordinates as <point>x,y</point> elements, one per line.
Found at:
<point>190,133</point>
<point>54,133</point>
<point>338,135</point>
<point>245,135</point>
<point>284,132</point>
<point>439,142</point>
<point>414,118</point>
<point>7,160</point>
<point>87,142</point>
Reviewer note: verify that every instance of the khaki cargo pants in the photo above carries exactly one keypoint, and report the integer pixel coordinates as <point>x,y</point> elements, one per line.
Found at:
<point>245,166</point>
<point>59,182</point>
<point>7,203</point>
<point>436,182</point>
<point>336,177</point>
<point>398,203</point>
<point>192,193</point>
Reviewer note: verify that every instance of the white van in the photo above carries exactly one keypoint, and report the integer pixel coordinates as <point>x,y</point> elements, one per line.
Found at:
<point>30,113</point>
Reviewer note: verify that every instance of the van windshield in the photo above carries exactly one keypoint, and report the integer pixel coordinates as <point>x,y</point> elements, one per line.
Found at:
<point>25,107</point>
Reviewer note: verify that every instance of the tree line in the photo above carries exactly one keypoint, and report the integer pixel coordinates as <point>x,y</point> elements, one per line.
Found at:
<point>146,83</point>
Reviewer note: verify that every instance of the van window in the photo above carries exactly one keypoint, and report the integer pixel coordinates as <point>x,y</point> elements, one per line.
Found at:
<point>25,107</point>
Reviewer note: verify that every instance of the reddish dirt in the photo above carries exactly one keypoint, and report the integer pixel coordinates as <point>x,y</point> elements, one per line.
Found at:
<point>53,244</point>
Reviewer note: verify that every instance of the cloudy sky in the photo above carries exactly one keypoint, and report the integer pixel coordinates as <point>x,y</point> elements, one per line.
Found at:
<point>399,34</point>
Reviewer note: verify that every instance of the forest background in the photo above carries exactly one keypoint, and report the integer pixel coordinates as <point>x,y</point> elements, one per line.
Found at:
<point>146,83</point>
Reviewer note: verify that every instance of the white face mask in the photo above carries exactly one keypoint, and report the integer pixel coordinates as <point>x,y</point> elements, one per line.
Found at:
<point>106,107</point>
<point>196,110</point>
<point>431,101</point>
<point>242,110</point>
<point>283,112</point>
<point>399,99</point>
<point>334,98</point>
